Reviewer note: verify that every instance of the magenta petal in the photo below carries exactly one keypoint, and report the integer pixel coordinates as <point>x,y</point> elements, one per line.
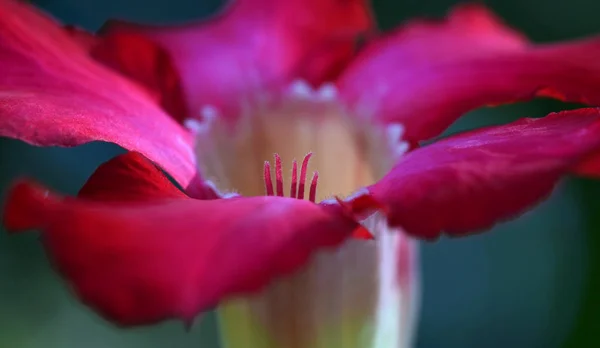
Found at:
<point>471,181</point>
<point>138,251</point>
<point>52,93</point>
<point>255,46</point>
<point>426,74</point>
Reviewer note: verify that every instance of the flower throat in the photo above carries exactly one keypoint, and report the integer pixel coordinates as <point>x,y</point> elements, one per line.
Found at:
<point>347,298</point>
<point>348,153</point>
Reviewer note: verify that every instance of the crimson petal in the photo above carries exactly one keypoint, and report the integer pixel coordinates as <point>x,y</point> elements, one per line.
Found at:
<point>255,45</point>
<point>158,254</point>
<point>53,93</point>
<point>129,178</point>
<point>143,61</point>
<point>426,74</point>
<point>470,181</point>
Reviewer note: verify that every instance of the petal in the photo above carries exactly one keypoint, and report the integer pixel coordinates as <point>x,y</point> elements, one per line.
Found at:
<point>471,181</point>
<point>142,60</point>
<point>151,257</point>
<point>259,44</point>
<point>85,39</point>
<point>427,74</point>
<point>129,178</point>
<point>52,93</point>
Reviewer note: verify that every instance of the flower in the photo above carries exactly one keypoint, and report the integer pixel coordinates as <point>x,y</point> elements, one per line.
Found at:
<point>215,100</point>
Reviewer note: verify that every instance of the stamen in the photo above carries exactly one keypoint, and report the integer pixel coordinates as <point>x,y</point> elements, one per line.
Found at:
<point>303,175</point>
<point>297,188</point>
<point>278,175</point>
<point>268,180</point>
<point>313,187</point>
<point>294,187</point>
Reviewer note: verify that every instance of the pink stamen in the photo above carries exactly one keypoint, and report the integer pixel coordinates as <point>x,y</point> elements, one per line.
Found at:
<point>313,187</point>
<point>294,187</point>
<point>268,180</point>
<point>297,188</point>
<point>278,175</point>
<point>303,171</point>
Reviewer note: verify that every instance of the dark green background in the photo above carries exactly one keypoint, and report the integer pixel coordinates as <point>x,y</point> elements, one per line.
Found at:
<point>533,282</point>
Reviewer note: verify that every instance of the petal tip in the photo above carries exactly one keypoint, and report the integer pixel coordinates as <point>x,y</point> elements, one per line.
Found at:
<point>24,207</point>
<point>362,233</point>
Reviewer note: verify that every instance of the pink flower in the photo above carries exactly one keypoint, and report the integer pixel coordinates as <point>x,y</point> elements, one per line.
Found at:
<point>210,102</point>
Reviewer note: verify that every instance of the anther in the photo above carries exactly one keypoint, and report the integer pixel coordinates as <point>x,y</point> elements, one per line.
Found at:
<point>303,171</point>
<point>278,175</point>
<point>294,187</point>
<point>297,188</point>
<point>313,187</point>
<point>268,180</point>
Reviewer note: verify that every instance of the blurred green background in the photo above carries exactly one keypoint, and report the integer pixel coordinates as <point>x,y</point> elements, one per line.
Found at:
<point>533,282</point>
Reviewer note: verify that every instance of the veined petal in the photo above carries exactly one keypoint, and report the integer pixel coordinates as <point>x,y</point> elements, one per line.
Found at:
<point>471,181</point>
<point>258,44</point>
<point>157,254</point>
<point>426,74</point>
<point>52,93</point>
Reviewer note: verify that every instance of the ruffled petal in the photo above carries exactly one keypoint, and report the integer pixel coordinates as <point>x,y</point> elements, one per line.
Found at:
<point>52,93</point>
<point>426,74</point>
<point>157,254</point>
<point>471,181</point>
<point>258,45</point>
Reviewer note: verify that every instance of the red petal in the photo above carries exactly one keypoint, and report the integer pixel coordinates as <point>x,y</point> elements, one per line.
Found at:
<point>471,181</point>
<point>427,74</point>
<point>52,93</point>
<point>85,39</point>
<point>258,44</point>
<point>363,233</point>
<point>143,61</point>
<point>589,167</point>
<point>149,258</point>
<point>129,177</point>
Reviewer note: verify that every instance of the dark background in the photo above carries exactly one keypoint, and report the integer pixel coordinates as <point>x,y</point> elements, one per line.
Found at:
<point>533,282</point>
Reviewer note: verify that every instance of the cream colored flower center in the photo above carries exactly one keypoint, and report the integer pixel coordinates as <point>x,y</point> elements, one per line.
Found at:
<point>348,298</point>
<point>347,153</point>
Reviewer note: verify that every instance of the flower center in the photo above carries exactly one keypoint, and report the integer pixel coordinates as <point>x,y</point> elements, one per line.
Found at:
<point>349,152</point>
